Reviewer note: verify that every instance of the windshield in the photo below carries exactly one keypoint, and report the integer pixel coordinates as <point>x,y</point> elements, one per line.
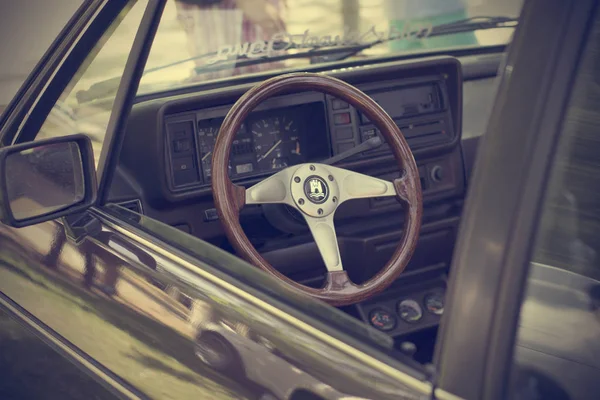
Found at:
<point>206,40</point>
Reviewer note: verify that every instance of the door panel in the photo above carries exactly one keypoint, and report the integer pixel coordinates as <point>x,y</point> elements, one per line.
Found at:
<point>168,331</point>
<point>96,303</point>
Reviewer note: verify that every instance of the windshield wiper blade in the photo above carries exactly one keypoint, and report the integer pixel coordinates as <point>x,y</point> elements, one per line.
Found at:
<point>461,26</point>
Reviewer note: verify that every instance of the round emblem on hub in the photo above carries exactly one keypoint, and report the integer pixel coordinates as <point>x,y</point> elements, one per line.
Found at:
<point>316,189</point>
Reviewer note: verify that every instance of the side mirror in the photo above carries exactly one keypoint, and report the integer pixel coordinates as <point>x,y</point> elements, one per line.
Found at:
<point>46,179</point>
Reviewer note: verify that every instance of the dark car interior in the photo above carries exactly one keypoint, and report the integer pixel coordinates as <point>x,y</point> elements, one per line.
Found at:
<point>441,105</point>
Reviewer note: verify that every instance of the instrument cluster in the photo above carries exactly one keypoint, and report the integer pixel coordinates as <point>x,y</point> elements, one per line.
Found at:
<point>267,141</point>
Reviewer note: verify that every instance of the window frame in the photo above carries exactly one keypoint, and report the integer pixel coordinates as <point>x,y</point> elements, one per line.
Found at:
<point>502,211</point>
<point>84,29</point>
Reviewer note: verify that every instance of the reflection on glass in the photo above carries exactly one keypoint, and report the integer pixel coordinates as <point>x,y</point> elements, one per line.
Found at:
<point>87,101</point>
<point>207,40</point>
<point>44,179</point>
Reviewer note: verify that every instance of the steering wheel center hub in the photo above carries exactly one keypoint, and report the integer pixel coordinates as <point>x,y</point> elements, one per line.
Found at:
<point>315,190</point>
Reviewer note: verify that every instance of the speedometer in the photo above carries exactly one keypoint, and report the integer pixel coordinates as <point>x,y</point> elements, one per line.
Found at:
<point>276,142</point>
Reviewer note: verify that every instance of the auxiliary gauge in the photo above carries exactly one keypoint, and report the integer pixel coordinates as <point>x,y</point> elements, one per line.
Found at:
<point>410,310</point>
<point>434,303</point>
<point>382,320</point>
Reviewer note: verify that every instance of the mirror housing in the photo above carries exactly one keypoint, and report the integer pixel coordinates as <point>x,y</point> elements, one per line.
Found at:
<point>46,179</point>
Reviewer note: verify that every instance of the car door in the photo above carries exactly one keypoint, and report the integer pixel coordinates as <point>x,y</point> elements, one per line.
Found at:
<point>522,318</point>
<point>143,308</point>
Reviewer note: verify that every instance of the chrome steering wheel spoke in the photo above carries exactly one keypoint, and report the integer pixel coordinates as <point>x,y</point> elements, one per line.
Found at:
<point>275,189</point>
<point>323,231</point>
<point>360,186</point>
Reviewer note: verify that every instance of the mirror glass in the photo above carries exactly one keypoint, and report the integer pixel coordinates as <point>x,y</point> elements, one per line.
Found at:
<point>44,179</point>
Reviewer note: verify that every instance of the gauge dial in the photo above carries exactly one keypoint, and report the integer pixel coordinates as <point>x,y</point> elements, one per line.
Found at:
<point>275,142</point>
<point>434,303</point>
<point>410,310</point>
<point>382,320</point>
<point>207,135</point>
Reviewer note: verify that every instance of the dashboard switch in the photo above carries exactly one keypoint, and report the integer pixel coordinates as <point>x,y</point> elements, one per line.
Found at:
<point>339,104</point>
<point>368,134</point>
<point>183,163</point>
<point>341,118</point>
<point>211,214</point>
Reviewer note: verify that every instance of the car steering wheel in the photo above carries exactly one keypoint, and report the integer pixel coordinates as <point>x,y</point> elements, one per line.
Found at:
<point>317,190</point>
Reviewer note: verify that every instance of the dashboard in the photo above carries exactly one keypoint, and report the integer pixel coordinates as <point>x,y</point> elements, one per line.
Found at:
<point>166,174</point>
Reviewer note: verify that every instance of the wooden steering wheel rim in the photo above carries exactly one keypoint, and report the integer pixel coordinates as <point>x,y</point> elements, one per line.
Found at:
<point>230,198</point>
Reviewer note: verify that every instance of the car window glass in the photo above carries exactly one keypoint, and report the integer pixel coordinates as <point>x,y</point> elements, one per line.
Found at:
<point>200,41</point>
<point>557,348</point>
<point>77,112</point>
<point>45,19</point>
